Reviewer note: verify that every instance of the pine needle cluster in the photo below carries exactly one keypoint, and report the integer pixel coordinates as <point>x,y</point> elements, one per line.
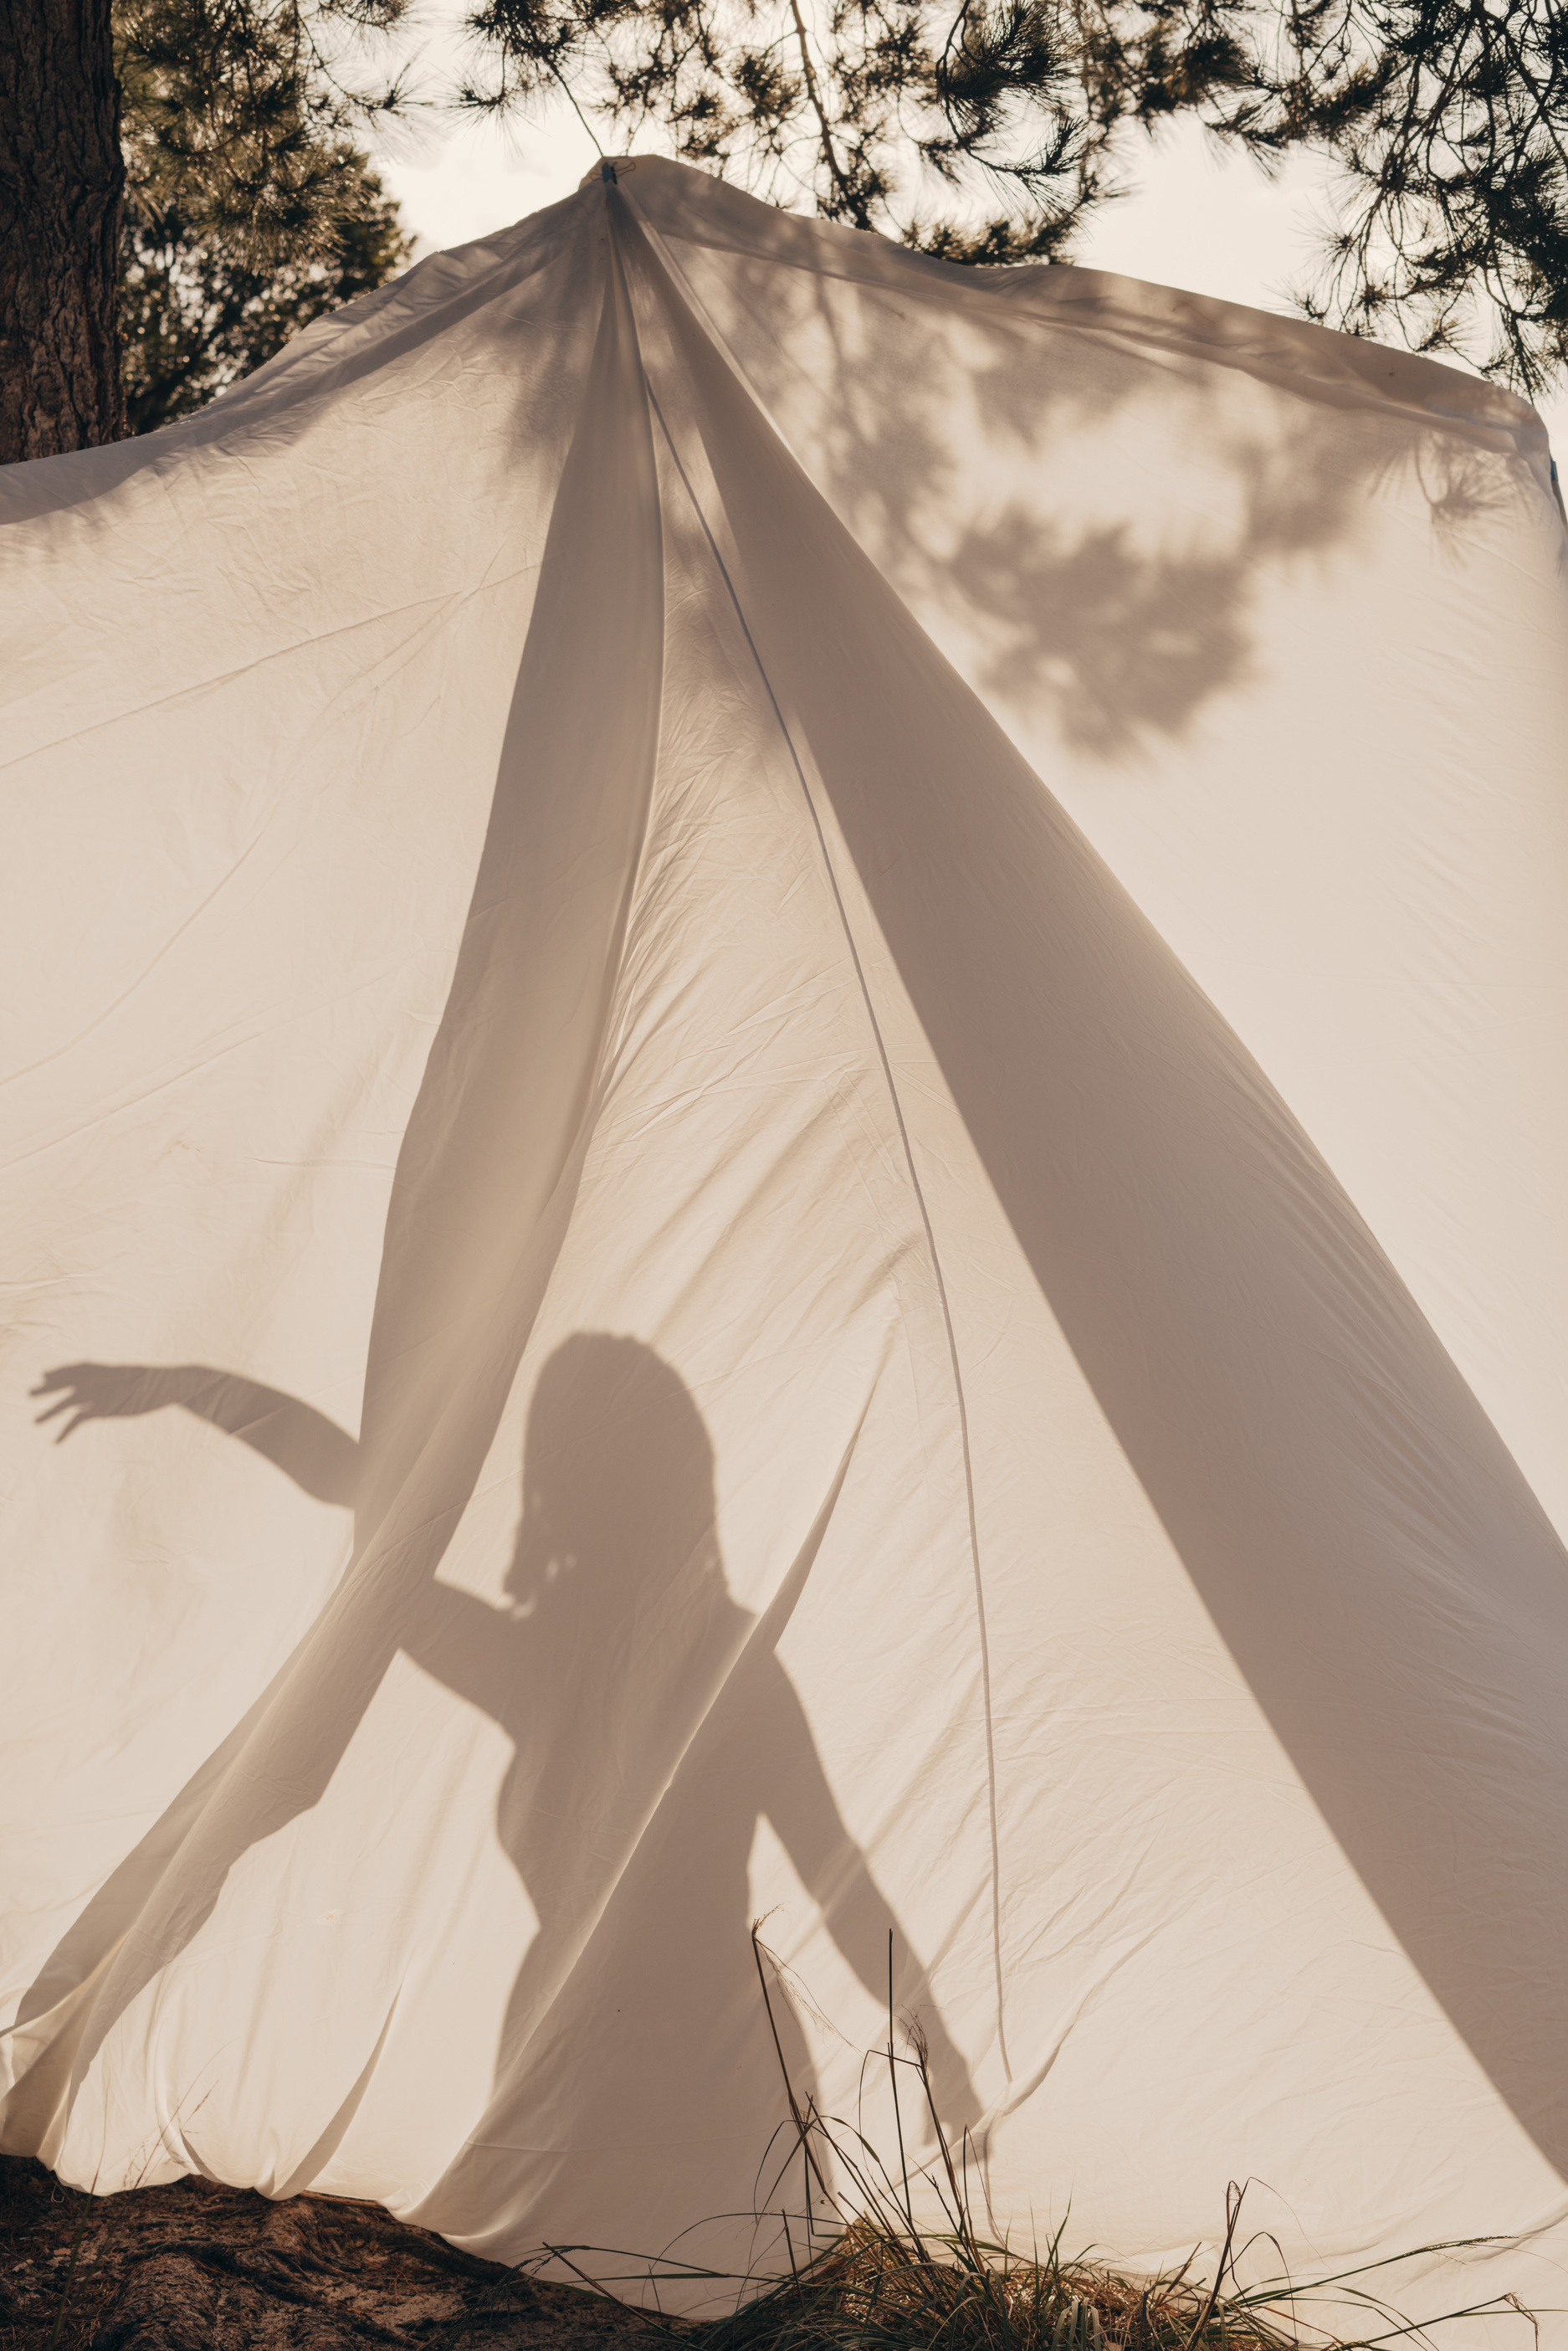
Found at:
<point>991,131</point>
<point>251,205</point>
<point>980,131</point>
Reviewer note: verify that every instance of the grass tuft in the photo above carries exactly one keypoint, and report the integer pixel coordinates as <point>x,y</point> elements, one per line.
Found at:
<point>886,2279</point>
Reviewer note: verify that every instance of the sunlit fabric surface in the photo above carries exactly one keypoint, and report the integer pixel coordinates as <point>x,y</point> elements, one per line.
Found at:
<point>784,1112</point>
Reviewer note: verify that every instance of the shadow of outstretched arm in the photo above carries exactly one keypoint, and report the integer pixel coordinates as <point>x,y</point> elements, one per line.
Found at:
<point>321,1458</point>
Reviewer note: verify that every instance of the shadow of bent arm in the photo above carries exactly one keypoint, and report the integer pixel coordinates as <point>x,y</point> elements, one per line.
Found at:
<point>321,1458</point>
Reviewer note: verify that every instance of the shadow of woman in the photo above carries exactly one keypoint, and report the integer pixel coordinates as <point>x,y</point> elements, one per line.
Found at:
<point>652,1729</point>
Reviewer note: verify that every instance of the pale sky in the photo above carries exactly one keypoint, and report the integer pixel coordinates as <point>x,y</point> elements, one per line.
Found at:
<point>1212,224</point>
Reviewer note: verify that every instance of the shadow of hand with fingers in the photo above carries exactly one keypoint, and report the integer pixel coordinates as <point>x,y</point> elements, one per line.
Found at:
<point>322,1460</point>
<point>482,1192</point>
<point>320,1457</point>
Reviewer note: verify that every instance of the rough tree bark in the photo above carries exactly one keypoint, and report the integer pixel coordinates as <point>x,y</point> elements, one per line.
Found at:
<point>62,183</point>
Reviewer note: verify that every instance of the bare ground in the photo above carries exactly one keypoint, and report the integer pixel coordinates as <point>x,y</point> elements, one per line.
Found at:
<point>196,2267</point>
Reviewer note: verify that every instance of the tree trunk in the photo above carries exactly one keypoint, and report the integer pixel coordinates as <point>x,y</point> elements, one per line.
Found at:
<point>62,183</point>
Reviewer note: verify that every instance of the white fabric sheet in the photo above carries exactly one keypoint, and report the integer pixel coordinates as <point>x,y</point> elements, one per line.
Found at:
<point>783,1111</point>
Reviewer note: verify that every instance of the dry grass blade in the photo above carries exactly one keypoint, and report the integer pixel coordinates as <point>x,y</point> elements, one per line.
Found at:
<point>887,2282</point>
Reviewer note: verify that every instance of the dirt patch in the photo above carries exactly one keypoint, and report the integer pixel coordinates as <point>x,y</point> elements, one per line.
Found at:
<point>196,2267</point>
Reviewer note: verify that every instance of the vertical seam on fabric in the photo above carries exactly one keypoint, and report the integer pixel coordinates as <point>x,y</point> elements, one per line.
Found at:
<point>592,1100</point>
<point>919,1197</point>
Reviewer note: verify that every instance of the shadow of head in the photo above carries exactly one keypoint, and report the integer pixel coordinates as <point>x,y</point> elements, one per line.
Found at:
<point>617,1478</point>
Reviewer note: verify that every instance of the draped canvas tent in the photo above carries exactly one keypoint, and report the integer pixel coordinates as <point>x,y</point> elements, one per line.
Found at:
<point>783,1110</point>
